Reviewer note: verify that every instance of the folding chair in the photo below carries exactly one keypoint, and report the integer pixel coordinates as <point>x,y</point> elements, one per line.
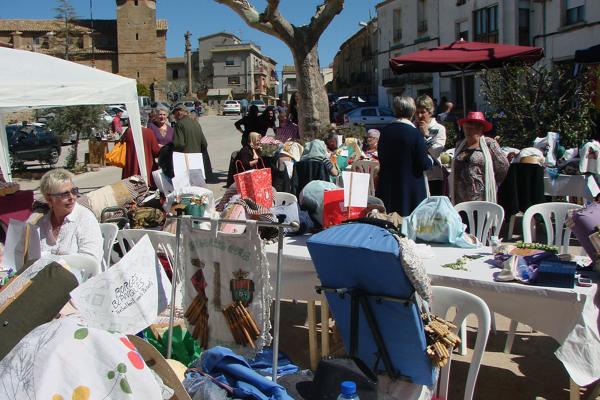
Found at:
<point>373,303</point>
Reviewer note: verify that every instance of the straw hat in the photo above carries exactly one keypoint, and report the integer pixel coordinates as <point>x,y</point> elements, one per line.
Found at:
<point>172,372</point>
<point>477,116</point>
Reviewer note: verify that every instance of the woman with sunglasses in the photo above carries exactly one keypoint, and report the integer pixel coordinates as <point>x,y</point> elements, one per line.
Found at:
<point>68,228</point>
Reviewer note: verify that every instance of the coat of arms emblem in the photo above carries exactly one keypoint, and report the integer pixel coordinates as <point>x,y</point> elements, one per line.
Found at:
<point>242,288</point>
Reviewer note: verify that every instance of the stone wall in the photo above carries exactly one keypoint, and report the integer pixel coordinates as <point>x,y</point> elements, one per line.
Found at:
<point>141,46</point>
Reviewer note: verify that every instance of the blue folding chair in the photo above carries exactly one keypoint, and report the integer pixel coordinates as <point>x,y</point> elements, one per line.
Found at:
<point>372,300</point>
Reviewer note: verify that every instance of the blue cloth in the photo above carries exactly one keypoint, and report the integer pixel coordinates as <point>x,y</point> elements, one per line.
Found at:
<point>234,370</point>
<point>263,364</point>
<point>402,159</point>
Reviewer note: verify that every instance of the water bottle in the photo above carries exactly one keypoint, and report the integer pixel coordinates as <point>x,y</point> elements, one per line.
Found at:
<point>348,389</point>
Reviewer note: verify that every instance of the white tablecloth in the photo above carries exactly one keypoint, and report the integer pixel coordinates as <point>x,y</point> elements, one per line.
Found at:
<point>568,315</point>
<point>570,185</point>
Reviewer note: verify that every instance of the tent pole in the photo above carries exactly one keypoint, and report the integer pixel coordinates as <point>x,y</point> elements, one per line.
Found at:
<point>174,279</point>
<point>464,92</point>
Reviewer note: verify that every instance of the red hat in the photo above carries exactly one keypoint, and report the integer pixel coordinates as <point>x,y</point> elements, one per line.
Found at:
<point>477,116</point>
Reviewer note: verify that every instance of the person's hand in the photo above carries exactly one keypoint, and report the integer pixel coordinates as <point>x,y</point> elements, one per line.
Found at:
<point>424,128</point>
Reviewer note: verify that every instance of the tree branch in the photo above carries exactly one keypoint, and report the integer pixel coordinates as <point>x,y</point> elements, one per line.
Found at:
<point>324,15</point>
<point>270,22</point>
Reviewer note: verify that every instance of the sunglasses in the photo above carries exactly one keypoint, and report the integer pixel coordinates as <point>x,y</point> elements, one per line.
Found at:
<point>67,194</point>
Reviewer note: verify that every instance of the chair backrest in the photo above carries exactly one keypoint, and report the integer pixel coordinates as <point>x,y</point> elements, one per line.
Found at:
<point>341,255</point>
<point>162,183</point>
<point>109,235</point>
<point>558,234</point>
<point>283,198</point>
<point>86,265</point>
<point>162,241</point>
<point>444,299</point>
<point>485,218</point>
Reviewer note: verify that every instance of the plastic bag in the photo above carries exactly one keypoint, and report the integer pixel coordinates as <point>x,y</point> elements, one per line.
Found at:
<point>436,220</point>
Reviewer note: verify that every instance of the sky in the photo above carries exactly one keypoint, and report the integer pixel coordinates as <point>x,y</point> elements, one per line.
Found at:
<point>204,17</point>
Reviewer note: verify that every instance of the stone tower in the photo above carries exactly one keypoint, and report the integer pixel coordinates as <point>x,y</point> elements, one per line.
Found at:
<point>141,41</point>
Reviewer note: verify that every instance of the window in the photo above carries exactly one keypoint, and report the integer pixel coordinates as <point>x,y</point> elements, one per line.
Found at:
<point>233,80</point>
<point>396,25</point>
<point>368,112</point>
<point>524,24</point>
<point>136,3</point>
<point>386,112</point>
<point>175,75</point>
<point>229,61</point>
<point>574,11</point>
<point>421,17</point>
<point>462,30</point>
<point>461,2</point>
<point>137,36</point>
<point>485,22</point>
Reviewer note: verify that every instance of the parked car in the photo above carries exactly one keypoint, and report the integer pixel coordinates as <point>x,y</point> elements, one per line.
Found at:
<point>188,104</point>
<point>112,110</point>
<point>258,103</point>
<point>33,142</point>
<point>370,117</point>
<point>163,104</point>
<point>232,107</point>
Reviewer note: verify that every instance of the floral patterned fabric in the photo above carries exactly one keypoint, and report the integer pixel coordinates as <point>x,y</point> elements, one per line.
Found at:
<point>469,171</point>
<point>65,359</point>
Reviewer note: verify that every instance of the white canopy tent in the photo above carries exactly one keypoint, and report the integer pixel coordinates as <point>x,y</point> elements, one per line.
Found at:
<point>31,80</point>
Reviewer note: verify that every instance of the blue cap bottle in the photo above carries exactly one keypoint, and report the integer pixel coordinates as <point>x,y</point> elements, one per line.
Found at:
<point>348,389</point>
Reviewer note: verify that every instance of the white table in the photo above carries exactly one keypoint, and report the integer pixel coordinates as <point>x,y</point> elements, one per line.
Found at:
<point>569,186</point>
<point>554,311</point>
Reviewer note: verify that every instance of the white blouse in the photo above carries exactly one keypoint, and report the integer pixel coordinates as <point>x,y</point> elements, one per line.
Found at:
<point>79,234</point>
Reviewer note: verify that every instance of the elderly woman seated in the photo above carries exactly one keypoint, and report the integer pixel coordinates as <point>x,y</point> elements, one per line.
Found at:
<point>68,228</point>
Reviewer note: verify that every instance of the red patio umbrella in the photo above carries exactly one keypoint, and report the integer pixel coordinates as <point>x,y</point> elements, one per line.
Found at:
<point>463,56</point>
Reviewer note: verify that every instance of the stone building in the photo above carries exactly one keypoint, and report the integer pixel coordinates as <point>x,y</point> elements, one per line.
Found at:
<point>560,27</point>
<point>202,67</point>
<point>132,45</point>
<point>245,70</point>
<point>355,64</point>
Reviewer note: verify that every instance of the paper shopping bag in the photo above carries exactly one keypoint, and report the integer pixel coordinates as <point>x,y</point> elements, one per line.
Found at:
<point>255,184</point>
<point>334,212</point>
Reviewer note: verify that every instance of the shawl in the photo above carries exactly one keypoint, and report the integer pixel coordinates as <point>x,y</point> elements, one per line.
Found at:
<point>315,150</point>
<point>489,179</point>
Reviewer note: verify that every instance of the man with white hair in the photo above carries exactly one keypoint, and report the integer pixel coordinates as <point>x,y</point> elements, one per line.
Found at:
<point>402,158</point>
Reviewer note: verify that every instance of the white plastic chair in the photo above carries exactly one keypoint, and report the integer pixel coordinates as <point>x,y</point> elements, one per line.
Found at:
<point>86,265</point>
<point>558,233</point>
<point>485,218</point>
<point>444,299</point>
<point>283,198</point>
<point>161,182</point>
<point>161,241</point>
<point>109,235</point>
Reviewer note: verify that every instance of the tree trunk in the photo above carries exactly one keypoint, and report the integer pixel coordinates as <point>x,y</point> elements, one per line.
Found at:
<point>313,104</point>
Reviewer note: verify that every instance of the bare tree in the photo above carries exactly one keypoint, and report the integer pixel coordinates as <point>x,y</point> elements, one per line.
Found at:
<point>313,105</point>
<point>65,16</point>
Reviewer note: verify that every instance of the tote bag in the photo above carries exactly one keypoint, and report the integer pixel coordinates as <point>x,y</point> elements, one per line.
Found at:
<point>116,157</point>
<point>255,184</point>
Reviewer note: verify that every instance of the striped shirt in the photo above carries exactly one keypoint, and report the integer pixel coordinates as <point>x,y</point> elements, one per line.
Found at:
<point>289,131</point>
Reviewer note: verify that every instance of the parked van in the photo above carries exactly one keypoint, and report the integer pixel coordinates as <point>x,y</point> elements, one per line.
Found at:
<point>144,102</point>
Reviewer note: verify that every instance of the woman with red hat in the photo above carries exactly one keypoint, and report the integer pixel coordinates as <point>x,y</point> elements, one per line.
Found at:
<point>479,165</point>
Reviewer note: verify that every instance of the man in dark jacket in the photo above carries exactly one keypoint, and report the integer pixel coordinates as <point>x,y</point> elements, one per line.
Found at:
<point>403,159</point>
<point>188,136</point>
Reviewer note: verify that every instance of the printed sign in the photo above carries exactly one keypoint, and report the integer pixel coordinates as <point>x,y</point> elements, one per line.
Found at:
<point>128,297</point>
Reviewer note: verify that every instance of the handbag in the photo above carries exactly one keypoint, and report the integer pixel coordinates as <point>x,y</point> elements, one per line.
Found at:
<point>334,211</point>
<point>116,157</point>
<point>255,184</point>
